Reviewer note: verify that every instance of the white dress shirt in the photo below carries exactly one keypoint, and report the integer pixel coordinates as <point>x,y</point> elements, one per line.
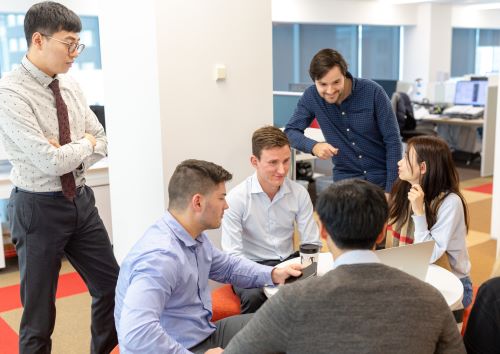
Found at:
<point>261,229</point>
<point>355,257</point>
<point>28,119</point>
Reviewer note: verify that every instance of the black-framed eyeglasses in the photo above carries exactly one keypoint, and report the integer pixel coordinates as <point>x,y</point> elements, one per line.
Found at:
<point>79,47</point>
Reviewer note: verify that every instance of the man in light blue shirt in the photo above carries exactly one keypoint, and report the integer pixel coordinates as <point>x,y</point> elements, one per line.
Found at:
<point>163,302</point>
<point>264,209</point>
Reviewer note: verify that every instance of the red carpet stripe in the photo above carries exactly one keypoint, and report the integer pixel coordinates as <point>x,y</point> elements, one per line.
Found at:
<point>69,284</point>
<point>8,339</point>
<point>10,298</point>
<point>484,188</point>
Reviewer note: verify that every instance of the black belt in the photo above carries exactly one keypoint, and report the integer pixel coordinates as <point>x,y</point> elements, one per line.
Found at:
<point>50,194</point>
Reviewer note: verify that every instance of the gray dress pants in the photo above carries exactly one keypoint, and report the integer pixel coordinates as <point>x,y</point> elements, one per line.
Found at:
<point>44,228</point>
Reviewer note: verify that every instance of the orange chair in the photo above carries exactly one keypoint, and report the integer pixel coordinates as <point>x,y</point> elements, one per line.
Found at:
<point>225,303</point>
<point>116,350</point>
<point>468,309</point>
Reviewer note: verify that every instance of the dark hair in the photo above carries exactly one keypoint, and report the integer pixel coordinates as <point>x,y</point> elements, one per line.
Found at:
<point>440,179</point>
<point>49,17</point>
<point>266,138</point>
<point>324,61</point>
<point>353,212</point>
<point>192,177</point>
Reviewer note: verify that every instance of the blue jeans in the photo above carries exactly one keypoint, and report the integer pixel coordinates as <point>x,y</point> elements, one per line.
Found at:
<point>467,299</point>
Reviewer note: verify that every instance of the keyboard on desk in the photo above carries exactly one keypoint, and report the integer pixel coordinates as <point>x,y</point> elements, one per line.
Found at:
<point>465,112</point>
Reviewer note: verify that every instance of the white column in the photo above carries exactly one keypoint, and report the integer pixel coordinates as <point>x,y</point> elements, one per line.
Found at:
<point>427,51</point>
<point>495,205</point>
<point>133,122</point>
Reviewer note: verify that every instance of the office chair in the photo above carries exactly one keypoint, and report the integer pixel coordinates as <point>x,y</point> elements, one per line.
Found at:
<point>408,127</point>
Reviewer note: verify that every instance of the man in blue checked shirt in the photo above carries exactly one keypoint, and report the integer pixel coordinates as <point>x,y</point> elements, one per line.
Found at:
<point>163,302</point>
<point>357,121</point>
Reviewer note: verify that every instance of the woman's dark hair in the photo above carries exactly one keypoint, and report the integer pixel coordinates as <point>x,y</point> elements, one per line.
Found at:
<point>49,17</point>
<point>440,179</point>
<point>324,61</point>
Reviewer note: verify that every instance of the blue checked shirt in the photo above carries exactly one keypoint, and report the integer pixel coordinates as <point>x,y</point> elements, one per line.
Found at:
<point>363,127</point>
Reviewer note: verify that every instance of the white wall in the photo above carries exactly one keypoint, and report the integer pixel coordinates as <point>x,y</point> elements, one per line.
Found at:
<point>203,118</point>
<point>164,105</point>
<point>87,7</point>
<point>343,11</point>
<point>469,17</point>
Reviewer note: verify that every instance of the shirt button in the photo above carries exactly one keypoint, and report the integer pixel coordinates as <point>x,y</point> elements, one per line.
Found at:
<point>364,172</point>
<point>353,143</point>
<point>360,156</point>
<point>343,113</point>
<point>348,129</point>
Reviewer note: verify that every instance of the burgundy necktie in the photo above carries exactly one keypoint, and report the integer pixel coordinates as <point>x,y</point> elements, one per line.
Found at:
<point>67,180</point>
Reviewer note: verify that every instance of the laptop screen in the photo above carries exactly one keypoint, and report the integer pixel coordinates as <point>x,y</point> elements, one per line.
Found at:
<point>471,93</point>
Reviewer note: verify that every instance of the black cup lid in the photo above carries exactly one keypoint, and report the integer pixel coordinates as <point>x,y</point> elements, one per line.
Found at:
<point>309,248</point>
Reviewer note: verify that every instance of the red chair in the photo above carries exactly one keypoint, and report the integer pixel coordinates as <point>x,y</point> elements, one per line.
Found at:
<point>225,303</point>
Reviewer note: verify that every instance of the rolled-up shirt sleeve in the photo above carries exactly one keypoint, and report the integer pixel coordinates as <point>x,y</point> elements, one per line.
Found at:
<point>239,271</point>
<point>388,127</point>
<point>307,226</point>
<point>301,119</point>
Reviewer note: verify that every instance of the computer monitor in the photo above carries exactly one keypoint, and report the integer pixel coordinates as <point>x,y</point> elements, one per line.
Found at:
<point>389,86</point>
<point>471,93</point>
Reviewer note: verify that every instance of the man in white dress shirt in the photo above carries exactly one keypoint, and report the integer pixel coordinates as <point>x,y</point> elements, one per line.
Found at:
<point>264,209</point>
<point>51,138</point>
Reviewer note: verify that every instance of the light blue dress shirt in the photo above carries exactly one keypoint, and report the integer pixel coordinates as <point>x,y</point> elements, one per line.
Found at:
<point>262,229</point>
<point>163,302</point>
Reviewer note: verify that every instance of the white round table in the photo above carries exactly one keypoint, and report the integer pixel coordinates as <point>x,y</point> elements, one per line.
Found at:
<point>446,282</point>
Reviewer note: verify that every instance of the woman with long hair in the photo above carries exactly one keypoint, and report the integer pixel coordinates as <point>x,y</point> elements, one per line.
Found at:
<point>426,204</point>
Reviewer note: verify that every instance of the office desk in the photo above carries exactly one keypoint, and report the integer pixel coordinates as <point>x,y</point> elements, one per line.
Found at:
<point>437,119</point>
<point>448,284</point>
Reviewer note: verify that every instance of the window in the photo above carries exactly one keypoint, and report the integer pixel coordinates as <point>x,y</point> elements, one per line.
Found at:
<point>370,51</point>
<point>488,52</point>
<point>13,44</point>
<point>475,51</point>
<point>380,57</point>
<point>316,37</point>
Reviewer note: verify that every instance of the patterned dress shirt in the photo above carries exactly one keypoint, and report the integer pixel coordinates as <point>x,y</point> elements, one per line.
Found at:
<point>28,119</point>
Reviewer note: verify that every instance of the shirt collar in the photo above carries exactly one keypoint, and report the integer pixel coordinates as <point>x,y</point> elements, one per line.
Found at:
<point>353,79</point>
<point>356,257</point>
<point>180,232</point>
<point>37,74</point>
<point>256,188</point>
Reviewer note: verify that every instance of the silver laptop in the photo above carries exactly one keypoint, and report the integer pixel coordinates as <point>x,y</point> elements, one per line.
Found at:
<point>412,259</point>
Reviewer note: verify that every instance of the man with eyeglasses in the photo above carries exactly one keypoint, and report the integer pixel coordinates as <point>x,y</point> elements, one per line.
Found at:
<point>51,138</point>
